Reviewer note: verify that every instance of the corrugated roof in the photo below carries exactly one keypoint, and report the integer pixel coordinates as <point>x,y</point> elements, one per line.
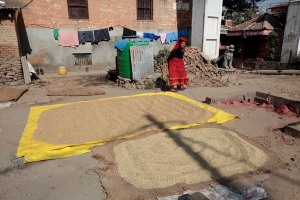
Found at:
<point>280,5</point>
<point>11,4</point>
<point>263,22</point>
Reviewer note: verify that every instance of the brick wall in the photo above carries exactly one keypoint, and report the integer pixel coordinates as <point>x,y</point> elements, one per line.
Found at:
<point>10,63</point>
<point>105,13</point>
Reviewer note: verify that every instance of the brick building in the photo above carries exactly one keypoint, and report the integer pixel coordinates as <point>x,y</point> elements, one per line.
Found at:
<point>10,62</point>
<point>252,37</point>
<point>40,17</point>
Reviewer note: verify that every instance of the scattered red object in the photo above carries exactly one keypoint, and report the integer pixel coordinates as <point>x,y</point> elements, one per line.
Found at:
<point>263,105</point>
<point>235,103</point>
<point>283,109</point>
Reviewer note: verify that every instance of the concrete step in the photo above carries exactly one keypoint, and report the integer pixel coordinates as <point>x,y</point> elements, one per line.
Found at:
<point>292,129</point>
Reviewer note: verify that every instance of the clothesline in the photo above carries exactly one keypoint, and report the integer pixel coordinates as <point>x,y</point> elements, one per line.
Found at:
<point>72,38</point>
<point>165,38</point>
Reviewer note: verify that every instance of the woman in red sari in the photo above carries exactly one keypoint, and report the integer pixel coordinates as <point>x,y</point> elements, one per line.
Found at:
<point>177,74</point>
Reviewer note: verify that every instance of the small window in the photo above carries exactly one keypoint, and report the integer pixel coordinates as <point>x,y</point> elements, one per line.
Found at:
<point>145,9</point>
<point>82,59</point>
<point>78,9</point>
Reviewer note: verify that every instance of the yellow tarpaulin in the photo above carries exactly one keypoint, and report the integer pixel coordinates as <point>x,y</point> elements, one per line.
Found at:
<point>34,150</point>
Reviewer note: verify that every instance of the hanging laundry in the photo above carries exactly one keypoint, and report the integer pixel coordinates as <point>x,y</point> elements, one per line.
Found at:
<point>139,34</point>
<point>142,40</point>
<point>128,33</point>
<point>101,35</point>
<point>89,36</point>
<point>81,37</point>
<point>56,33</point>
<point>173,36</point>
<point>86,36</point>
<point>163,37</point>
<point>120,45</point>
<point>68,38</point>
<point>151,36</point>
<point>183,32</point>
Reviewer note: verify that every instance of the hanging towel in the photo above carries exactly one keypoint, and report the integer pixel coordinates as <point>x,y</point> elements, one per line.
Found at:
<point>141,39</point>
<point>128,33</point>
<point>163,37</point>
<point>183,32</point>
<point>68,38</point>
<point>101,35</point>
<point>56,33</point>
<point>120,45</point>
<point>151,36</point>
<point>173,36</point>
<point>139,34</point>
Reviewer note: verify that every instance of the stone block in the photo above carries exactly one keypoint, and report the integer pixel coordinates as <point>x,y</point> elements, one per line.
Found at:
<point>15,83</point>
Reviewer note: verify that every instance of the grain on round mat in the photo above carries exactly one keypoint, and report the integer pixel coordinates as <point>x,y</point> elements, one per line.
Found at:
<point>186,156</point>
<point>108,119</point>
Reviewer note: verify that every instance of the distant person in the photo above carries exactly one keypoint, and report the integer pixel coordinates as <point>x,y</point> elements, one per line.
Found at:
<point>177,74</point>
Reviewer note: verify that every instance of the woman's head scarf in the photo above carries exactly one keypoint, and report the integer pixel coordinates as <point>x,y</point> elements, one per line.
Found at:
<point>177,45</point>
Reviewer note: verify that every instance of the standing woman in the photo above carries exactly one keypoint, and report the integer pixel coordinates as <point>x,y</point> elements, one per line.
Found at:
<point>177,73</point>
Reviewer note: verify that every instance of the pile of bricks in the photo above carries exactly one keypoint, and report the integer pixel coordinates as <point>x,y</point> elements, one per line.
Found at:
<point>201,72</point>
<point>147,82</point>
<point>10,62</point>
<point>11,75</point>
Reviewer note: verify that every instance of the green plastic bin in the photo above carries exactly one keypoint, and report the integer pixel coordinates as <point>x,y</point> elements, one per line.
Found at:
<point>124,61</point>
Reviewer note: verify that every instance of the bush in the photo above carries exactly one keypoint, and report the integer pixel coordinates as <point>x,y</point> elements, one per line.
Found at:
<point>296,59</point>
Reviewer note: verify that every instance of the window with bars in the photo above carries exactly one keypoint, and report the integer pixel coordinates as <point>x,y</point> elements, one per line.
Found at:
<point>78,9</point>
<point>82,59</point>
<point>145,9</point>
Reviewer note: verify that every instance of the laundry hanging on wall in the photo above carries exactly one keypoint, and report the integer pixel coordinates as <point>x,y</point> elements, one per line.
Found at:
<point>86,36</point>
<point>173,36</point>
<point>128,33</point>
<point>67,38</point>
<point>101,35</point>
<point>56,33</point>
<point>96,36</point>
<point>165,38</point>
<point>139,36</point>
<point>151,36</point>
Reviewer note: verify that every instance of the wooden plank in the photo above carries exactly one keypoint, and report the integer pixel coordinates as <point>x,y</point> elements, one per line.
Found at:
<point>26,72</point>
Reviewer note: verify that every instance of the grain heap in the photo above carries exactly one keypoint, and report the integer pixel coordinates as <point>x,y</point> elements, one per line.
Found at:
<point>199,70</point>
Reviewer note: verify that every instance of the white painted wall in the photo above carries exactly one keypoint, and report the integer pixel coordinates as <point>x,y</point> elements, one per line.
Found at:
<point>298,50</point>
<point>206,26</point>
<point>291,40</point>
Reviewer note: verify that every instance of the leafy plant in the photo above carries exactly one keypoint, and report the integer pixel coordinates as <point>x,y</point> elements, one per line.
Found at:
<point>273,44</point>
<point>240,17</point>
<point>296,59</point>
<point>240,5</point>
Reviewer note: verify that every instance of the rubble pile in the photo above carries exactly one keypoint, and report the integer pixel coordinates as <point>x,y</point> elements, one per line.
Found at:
<point>11,75</point>
<point>199,70</point>
<point>147,82</point>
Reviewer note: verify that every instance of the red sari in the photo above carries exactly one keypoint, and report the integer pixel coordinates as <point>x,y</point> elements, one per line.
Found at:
<point>177,73</point>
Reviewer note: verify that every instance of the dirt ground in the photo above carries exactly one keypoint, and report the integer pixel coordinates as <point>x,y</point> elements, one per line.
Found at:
<point>74,178</point>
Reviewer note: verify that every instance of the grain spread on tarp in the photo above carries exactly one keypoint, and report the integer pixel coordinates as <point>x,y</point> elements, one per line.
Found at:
<point>71,130</point>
